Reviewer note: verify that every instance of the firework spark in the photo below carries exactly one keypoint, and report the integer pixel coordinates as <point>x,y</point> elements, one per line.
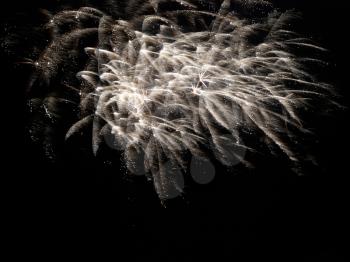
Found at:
<point>165,83</point>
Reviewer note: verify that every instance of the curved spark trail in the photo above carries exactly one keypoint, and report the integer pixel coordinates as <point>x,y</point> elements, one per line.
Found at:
<point>166,82</point>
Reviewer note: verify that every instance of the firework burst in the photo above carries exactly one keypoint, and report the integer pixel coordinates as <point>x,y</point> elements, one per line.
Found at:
<point>169,82</point>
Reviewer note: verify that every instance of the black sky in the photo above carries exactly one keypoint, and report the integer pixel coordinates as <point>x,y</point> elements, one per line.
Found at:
<point>266,214</point>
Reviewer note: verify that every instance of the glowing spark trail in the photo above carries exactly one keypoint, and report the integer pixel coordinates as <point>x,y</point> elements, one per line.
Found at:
<point>166,83</point>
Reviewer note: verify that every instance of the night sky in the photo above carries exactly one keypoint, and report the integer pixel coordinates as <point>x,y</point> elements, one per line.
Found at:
<point>79,202</point>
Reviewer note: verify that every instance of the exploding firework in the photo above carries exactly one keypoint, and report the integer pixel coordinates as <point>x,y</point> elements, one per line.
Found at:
<point>175,79</point>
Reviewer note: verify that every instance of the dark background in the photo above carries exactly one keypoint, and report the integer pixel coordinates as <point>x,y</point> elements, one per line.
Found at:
<point>270,213</point>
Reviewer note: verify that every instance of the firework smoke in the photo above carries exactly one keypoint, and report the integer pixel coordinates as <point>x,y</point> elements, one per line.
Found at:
<point>166,82</point>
